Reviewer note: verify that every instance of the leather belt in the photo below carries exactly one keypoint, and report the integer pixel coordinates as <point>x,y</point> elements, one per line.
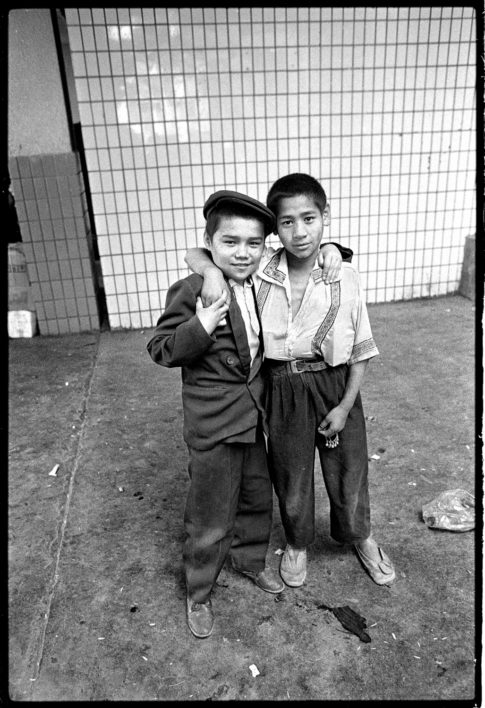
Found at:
<point>296,366</point>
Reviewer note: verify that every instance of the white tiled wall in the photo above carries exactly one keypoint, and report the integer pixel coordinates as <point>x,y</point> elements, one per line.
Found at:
<point>377,103</point>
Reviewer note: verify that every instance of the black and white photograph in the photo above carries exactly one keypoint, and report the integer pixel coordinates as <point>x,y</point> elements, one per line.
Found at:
<point>245,395</point>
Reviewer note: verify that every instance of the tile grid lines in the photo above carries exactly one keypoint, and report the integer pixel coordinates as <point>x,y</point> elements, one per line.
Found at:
<point>263,178</point>
<point>414,250</point>
<point>359,201</point>
<point>243,158</point>
<point>372,136</point>
<point>187,182</point>
<point>121,298</point>
<point>217,83</point>
<point>379,240</point>
<point>183,187</point>
<point>441,143</point>
<point>330,142</point>
<point>153,309</point>
<point>408,195</point>
<point>388,201</point>
<point>109,156</point>
<point>246,123</point>
<point>160,253</point>
<point>135,293</point>
<point>460,139</point>
<point>341,112</point>
<point>257,164</point>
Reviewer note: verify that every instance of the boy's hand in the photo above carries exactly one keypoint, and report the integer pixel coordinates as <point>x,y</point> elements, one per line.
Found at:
<point>330,260</point>
<point>212,315</point>
<point>333,422</point>
<point>214,286</point>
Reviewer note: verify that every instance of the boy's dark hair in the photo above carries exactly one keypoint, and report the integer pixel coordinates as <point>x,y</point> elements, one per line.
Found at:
<point>293,185</point>
<point>220,211</point>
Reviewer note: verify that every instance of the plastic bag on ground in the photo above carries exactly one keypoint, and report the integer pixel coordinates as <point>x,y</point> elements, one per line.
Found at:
<point>453,510</point>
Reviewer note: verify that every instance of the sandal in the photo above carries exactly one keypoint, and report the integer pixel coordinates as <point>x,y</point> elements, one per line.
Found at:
<point>381,572</point>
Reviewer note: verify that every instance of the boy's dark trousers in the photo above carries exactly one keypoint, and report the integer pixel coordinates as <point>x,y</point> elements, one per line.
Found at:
<point>228,510</point>
<point>297,403</point>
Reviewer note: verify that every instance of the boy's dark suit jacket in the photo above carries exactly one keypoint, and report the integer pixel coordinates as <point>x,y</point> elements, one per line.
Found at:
<point>222,394</point>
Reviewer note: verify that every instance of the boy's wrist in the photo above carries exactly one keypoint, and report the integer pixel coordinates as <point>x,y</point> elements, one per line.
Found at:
<point>213,271</point>
<point>345,406</point>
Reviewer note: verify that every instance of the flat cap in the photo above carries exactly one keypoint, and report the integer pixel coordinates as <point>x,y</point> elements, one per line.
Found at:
<point>226,197</point>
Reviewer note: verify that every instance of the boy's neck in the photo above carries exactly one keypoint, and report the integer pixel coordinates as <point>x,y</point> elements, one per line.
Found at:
<point>299,265</point>
<point>237,282</point>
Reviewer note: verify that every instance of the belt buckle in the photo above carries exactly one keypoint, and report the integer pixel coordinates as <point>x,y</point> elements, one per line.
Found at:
<point>294,366</point>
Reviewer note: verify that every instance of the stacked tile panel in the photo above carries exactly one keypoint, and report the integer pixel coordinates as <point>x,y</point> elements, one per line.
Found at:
<point>51,207</point>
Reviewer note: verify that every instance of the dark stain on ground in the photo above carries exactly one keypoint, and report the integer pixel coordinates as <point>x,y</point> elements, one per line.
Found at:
<point>220,692</point>
<point>268,618</point>
<point>350,620</point>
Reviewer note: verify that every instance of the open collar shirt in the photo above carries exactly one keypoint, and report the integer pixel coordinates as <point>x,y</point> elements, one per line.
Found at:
<point>332,322</point>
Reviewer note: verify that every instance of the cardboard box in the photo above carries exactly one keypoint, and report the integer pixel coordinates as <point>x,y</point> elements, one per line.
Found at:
<point>21,323</point>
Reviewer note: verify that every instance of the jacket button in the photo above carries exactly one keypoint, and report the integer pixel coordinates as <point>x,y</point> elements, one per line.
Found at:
<point>230,360</point>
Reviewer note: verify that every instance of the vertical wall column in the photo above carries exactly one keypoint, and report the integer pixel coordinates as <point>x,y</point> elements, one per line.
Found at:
<point>47,181</point>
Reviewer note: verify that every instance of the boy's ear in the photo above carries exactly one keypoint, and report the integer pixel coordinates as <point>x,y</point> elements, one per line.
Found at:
<point>326,215</point>
<point>207,241</point>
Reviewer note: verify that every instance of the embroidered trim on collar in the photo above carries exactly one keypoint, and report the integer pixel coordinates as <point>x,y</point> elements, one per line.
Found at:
<point>271,268</point>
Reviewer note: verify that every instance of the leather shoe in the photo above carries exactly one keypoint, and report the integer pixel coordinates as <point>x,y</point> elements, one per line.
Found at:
<point>382,572</point>
<point>293,566</point>
<point>200,618</point>
<point>265,579</point>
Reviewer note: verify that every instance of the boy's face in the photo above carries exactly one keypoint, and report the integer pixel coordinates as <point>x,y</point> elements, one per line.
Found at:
<point>237,246</point>
<point>300,226</point>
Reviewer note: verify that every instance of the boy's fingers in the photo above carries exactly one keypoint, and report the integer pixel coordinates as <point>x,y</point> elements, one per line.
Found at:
<point>220,302</point>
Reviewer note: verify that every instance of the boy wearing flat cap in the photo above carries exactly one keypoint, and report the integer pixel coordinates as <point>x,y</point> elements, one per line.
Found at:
<point>219,349</point>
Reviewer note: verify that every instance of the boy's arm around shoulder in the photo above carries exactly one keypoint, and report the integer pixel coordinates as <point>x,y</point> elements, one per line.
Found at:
<point>179,337</point>
<point>199,260</point>
<point>331,256</point>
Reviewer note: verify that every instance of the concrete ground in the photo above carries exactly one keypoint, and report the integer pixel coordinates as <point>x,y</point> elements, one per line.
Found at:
<point>96,594</point>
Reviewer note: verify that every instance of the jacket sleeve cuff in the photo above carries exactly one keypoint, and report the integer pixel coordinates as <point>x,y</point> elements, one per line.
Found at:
<point>345,252</point>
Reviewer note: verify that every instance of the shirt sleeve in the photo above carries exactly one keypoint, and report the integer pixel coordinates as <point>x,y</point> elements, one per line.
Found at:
<point>364,345</point>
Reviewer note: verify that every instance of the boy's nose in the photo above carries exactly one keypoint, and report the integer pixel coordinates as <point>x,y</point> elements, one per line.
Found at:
<point>242,251</point>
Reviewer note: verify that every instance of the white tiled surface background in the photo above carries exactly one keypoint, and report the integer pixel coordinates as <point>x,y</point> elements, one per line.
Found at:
<point>377,103</point>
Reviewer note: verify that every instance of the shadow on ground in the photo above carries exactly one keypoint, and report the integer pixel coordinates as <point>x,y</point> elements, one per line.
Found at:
<point>95,578</point>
